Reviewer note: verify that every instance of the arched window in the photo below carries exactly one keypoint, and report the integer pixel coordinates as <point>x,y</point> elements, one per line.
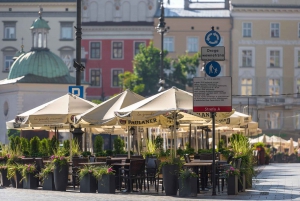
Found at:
<point>45,41</point>
<point>34,40</point>
<point>39,40</point>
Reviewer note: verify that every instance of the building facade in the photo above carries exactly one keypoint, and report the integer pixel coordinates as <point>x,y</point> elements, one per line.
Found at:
<point>17,17</point>
<point>112,33</point>
<point>265,63</point>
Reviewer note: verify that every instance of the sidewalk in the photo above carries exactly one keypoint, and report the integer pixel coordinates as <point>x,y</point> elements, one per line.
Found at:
<point>275,182</point>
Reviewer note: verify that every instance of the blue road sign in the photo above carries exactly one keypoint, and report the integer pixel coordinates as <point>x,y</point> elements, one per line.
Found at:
<point>212,69</point>
<point>212,38</point>
<point>76,90</point>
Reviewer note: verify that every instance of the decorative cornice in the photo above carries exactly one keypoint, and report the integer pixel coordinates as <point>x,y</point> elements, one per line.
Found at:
<point>276,10</point>
<point>118,29</point>
<point>31,4</point>
<point>269,42</point>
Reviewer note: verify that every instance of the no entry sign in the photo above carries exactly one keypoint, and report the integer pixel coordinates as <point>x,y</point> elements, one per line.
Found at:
<point>212,94</point>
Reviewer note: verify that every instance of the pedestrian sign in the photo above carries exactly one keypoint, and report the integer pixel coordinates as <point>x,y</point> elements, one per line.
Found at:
<point>212,69</point>
<point>76,90</point>
<point>212,38</point>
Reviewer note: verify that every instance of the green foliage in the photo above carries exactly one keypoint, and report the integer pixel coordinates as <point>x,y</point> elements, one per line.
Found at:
<point>15,143</point>
<point>109,152</point>
<point>44,147</point>
<point>87,169</point>
<point>75,148</point>
<point>119,145</point>
<point>258,144</point>
<point>12,169</point>
<point>53,145</point>
<point>13,133</point>
<point>48,168</point>
<point>34,146</point>
<point>204,151</point>
<point>86,153</point>
<point>97,101</point>
<point>186,173</point>
<point>102,170</point>
<point>26,169</point>
<point>98,144</point>
<point>24,145</point>
<point>129,80</point>
<point>158,142</point>
<point>66,148</point>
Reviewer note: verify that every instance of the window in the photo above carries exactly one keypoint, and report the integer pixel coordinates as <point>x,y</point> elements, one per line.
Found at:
<point>298,87</point>
<point>297,57</point>
<point>297,120</point>
<point>9,30</point>
<point>247,58</point>
<point>8,62</point>
<point>95,77</point>
<point>275,30</point>
<point>274,86</point>
<point>67,57</point>
<point>247,29</point>
<point>169,44</point>
<point>115,77</point>
<point>273,120</point>
<point>137,47</point>
<point>274,58</point>
<point>95,50</point>
<point>192,44</point>
<point>117,50</point>
<point>246,86</point>
<point>66,30</point>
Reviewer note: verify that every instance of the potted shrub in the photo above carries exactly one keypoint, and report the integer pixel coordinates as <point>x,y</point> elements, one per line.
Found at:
<point>232,175</point>
<point>28,172</point>
<point>47,178</point>
<point>14,175</point>
<point>75,148</point>
<point>106,179</point>
<point>3,175</point>
<point>187,183</point>
<point>61,171</point>
<point>88,183</point>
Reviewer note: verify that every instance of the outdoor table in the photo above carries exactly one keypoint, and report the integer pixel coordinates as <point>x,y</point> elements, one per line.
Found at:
<point>203,161</point>
<point>196,166</point>
<point>93,163</point>
<point>120,164</point>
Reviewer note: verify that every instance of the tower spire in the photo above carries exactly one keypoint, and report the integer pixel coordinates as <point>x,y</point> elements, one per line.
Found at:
<point>40,12</point>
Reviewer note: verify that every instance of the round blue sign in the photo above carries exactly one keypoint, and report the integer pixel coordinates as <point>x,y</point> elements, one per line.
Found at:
<point>212,38</point>
<point>212,69</point>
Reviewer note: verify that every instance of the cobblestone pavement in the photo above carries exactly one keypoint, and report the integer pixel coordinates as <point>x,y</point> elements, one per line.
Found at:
<point>275,182</point>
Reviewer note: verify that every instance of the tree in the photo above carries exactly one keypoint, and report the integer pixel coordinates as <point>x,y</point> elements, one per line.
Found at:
<point>129,80</point>
<point>34,146</point>
<point>98,144</point>
<point>147,66</point>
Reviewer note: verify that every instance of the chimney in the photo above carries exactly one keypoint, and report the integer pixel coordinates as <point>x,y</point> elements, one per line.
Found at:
<point>186,4</point>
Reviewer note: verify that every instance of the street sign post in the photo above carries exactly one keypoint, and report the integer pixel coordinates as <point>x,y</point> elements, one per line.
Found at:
<point>213,53</point>
<point>76,90</point>
<point>212,38</point>
<point>212,94</point>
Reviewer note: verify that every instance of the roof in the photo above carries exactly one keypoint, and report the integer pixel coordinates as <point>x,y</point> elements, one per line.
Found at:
<point>40,23</point>
<point>42,63</point>
<point>265,6</point>
<point>37,1</point>
<point>181,12</point>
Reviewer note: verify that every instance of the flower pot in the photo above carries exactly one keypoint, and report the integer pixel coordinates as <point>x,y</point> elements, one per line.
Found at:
<point>242,182</point>
<point>232,185</point>
<point>49,182</point>
<point>107,184</point>
<point>3,178</point>
<point>187,187</point>
<point>30,182</point>
<point>61,177</point>
<point>88,184</point>
<point>15,181</point>
<point>170,179</point>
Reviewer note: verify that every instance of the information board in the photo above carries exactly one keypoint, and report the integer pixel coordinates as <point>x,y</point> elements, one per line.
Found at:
<point>212,94</point>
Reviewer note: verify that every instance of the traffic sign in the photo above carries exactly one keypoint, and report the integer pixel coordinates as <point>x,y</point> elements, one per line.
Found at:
<point>76,90</point>
<point>212,69</point>
<point>212,94</point>
<point>213,53</point>
<point>212,38</point>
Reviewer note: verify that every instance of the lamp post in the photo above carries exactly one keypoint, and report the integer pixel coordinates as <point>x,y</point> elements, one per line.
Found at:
<point>161,29</point>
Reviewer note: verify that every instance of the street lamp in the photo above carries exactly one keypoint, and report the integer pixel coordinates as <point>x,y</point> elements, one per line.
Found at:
<point>161,29</point>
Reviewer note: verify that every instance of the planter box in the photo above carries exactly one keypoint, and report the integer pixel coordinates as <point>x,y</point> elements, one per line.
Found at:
<point>188,187</point>
<point>107,184</point>
<point>170,179</point>
<point>49,182</point>
<point>15,181</point>
<point>61,177</point>
<point>3,178</point>
<point>232,185</point>
<point>242,183</point>
<point>88,184</point>
<point>30,182</point>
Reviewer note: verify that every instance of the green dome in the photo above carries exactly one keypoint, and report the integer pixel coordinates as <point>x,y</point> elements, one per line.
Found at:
<point>40,24</point>
<point>42,63</point>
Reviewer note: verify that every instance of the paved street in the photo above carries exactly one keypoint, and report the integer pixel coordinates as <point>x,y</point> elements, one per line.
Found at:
<point>275,182</point>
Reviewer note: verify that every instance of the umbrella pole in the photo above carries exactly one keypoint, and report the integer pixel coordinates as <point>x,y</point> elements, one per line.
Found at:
<point>214,154</point>
<point>174,135</point>
<point>128,143</point>
<point>190,136</point>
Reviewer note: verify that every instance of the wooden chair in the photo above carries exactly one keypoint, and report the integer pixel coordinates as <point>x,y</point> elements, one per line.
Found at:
<point>151,171</point>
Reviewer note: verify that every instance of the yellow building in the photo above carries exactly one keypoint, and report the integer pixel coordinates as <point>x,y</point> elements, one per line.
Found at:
<point>266,63</point>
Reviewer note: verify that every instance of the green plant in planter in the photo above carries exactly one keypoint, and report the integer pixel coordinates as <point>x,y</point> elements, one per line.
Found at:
<point>34,146</point>
<point>151,149</point>
<point>119,145</point>
<point>186,173</point>
<point>44,147</point>
<point>75,148</point>
<point>258,144</point>
<point>231,171</point>
<point>24,145</point>
<point>103,170</point>
<point>53,145</point>
<point>27,169</point>
<point>12,170</point>
<point>59,160</point>
<point>158,142</point>
<point>48,168</point>
<point>98,144</point>
<point>86,170</point>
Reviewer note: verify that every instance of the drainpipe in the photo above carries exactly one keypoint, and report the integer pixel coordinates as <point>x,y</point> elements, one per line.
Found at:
<point>230,48</point>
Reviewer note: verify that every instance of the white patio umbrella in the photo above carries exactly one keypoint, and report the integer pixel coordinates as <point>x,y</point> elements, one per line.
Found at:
<point>58,113</point>
<point>169,103</point>
<point>291,146</point>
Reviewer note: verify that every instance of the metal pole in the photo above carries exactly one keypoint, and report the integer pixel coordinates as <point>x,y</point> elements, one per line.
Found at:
<point>77,64</point>
<point>214,155</point>
<point>190,136</point>
<point>162,55</point>
<point>248,105</point>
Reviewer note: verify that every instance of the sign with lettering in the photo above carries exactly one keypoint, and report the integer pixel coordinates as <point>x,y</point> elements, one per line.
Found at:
<point>213,53</point>
<point>212,94</point>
